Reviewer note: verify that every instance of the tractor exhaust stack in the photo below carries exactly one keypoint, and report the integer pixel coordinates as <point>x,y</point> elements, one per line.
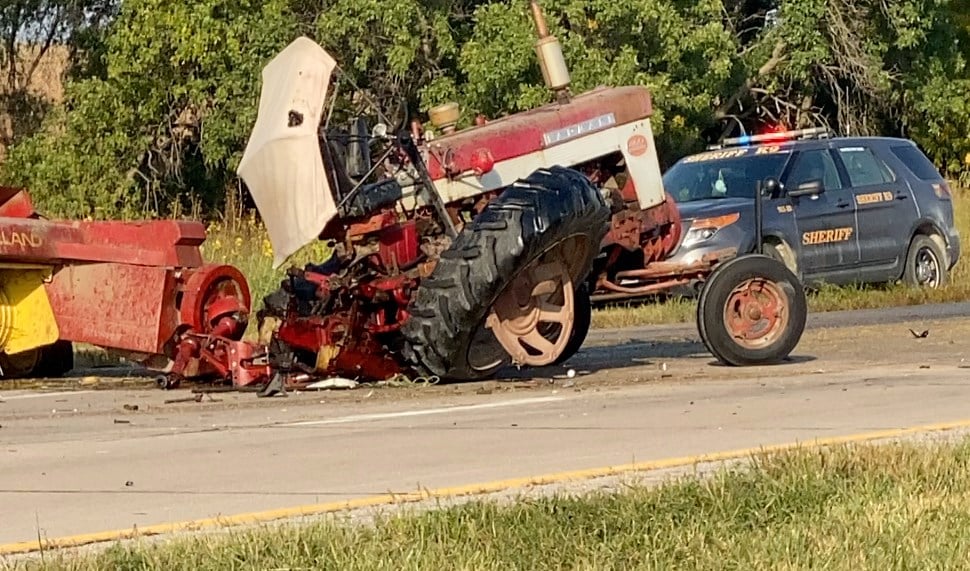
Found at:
<point>549,51</point>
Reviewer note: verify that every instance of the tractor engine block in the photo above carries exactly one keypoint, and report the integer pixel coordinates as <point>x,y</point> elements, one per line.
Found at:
<point>341,316</point>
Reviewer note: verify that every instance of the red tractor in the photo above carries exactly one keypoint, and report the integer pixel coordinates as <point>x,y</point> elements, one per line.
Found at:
<point>457,252</point>
<point>454,252</point>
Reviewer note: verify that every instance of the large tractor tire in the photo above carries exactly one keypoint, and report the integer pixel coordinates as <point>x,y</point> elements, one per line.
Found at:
<point>752,311</point>
<point>504,292</point>
<point>583,317</point>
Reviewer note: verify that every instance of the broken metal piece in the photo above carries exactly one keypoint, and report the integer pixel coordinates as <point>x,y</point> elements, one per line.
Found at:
<point>274,387</point>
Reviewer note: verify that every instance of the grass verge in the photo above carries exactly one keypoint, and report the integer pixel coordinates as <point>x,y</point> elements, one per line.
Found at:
<point>901,505</point>
<point>244,244</point>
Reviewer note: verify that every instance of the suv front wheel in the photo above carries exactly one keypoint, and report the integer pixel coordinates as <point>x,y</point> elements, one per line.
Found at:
<point>925,263</point>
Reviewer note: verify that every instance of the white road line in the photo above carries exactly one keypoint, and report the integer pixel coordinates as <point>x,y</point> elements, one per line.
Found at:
<point>41,395</point>
<point>423,412</point>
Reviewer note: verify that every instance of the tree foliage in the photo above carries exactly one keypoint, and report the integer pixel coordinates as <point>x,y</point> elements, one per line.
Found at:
<point>866,67</point>
<point>167,119</point>
<point>680,50</point>
<point>30,30</point>
<point>159,114</point>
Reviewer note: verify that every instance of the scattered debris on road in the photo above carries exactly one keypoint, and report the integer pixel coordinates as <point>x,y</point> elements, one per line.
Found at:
<point>333,383</point>
<point>195,398</point>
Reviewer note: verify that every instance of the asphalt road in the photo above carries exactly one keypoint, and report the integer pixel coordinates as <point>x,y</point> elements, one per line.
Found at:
<point>828,319</point>
<point>89,460</point>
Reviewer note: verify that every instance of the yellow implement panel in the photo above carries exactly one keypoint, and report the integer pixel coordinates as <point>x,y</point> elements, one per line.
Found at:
<point>26,318</point>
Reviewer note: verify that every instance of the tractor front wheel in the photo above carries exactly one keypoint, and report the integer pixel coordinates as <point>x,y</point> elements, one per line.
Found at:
<point>752,311</point>
<point>505,291</point>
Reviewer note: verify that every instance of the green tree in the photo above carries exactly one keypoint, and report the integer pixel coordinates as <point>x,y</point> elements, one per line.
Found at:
<point>680,50</point>
<point>166,123</point>
<point>160,114</point>
<point>34,33</point>
<point>400,53</point>
<point>864,67</point>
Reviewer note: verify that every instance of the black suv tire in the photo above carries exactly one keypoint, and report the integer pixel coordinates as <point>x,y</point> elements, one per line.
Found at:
<point>925,263</point>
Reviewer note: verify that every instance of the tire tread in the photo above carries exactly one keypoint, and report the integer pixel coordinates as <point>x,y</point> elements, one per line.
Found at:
<point>530,215</point>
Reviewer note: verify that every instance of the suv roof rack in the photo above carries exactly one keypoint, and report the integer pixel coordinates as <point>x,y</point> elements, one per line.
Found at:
<point>799,134</point>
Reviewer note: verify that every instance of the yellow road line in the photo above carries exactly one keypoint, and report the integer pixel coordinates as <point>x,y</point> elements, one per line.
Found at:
<point>458,491</point>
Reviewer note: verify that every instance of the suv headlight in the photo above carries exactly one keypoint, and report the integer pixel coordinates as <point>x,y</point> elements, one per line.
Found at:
<point>704,229</point>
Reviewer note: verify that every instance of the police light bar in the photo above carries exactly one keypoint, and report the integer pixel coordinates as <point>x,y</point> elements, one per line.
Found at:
<point>814,132</point>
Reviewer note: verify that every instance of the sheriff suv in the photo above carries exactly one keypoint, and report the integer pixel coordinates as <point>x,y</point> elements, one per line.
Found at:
<point>836,210</point>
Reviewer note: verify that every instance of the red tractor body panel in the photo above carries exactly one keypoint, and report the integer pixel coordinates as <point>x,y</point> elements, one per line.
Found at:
<point>527,132</point>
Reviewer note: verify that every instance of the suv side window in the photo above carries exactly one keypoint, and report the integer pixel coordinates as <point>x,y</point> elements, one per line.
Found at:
<point>917,162</point>
<point>864,167</point>
<point>815,165</point>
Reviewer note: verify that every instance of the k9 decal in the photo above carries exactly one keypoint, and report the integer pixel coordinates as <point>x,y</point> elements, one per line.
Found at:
<point>768,150</point>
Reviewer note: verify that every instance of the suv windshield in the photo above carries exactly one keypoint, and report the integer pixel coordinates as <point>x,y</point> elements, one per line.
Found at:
<point>691,180</point>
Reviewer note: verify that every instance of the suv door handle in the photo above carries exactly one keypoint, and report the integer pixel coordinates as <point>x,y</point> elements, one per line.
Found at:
<point>843,204</point>
<point>901,196</point>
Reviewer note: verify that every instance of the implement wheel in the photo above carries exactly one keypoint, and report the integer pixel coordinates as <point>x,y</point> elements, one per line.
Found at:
<point>20,365</point>
<point>504,291</point>
<point>51,361</point>
<point>752,311</point>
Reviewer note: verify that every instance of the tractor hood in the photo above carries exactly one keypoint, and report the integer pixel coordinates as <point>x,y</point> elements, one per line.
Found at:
<point>282,165</point>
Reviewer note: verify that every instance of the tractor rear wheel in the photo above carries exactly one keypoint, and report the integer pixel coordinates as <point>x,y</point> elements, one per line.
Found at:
<point>582,318</point>
<point>504,292</point>
<point>752,311</point>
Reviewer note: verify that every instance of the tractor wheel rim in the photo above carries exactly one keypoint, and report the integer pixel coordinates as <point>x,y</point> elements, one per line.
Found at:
<point>541,295</point>
<point>927,268</point>
<point>755,313</point>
